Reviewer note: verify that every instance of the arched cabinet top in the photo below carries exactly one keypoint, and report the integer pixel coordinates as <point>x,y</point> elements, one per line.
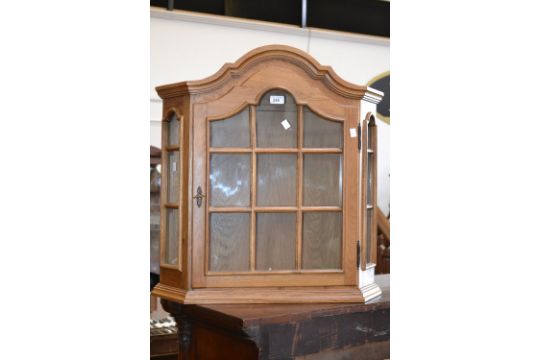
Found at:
<point>269,67</point>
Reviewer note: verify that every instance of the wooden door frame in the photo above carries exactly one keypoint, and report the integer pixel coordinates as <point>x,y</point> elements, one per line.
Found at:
<point>347,275</point>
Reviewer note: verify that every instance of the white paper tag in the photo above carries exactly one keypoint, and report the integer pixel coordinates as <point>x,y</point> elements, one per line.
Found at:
<point>352,131</point>
<point>277,99</point>
<point>174,166</point>
<point>285,124</point>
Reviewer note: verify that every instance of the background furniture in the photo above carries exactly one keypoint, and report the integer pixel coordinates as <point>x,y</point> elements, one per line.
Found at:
<point>383,243</point>
<point>285,331</point>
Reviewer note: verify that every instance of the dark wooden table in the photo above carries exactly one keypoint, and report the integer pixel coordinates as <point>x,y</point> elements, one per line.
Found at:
<point>285,331</point>
<point>164,347</point>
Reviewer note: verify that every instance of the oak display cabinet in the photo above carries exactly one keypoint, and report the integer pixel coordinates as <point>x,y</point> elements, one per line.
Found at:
<point>269,184</point>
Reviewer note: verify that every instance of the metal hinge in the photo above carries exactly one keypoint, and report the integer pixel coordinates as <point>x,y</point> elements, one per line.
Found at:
<point>358,254</point>
<point>359,138</point>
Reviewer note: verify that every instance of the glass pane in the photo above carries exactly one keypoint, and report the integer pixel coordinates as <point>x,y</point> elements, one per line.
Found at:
<point>321,240</point>
<point>322,180</point>
<point>276,238</point>
<point>231,132</point>
<point>276,120</point>
<point>229,241</point>
<point>276,179</point>
<point>369,179</point>
<point>171,238</point>
<point>368,234</point>
<point>230,179</point>
<point>173,179</point>
<point>371,130</point>
<point>173,130</point>
<point>321,133</point>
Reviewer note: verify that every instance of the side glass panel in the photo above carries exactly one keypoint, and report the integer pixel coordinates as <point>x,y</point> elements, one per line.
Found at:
<point>321,243</point>
<point>322,180</point>
<point>369,220</point>
<point>276,179</point>
<point>321,133</point>
<point>276,120</point>
<point>173,130</point>
<point>173,178</point>
<point>229,241</point>
<point>371,225</point>
<point>231,132</point>
<point>230,179</point>
<point>172,227</point>
<point>276,235</point>
<point>171,246</point>
<point>369,179</point>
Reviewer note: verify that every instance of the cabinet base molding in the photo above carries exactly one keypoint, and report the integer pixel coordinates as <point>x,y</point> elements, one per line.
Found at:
<point>283,295</point>
<point>370,292</point>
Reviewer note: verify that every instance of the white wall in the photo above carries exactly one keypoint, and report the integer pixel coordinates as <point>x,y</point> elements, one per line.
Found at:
<point>188,46</point>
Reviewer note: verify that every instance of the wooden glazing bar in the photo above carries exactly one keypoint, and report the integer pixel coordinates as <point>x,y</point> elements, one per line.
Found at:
<point>276,150</point>
<point>275,272</point>
<point>252,240</point>
<point>276,209</point>
<point>229,209</point>
<point>322,150</point>
<point>171,205</point>
<point>299,177</point>
<point>321,208</point>
<point>230,150</point>
<point>321,271</point>
<point>169,266</point>
<point>207,200</point>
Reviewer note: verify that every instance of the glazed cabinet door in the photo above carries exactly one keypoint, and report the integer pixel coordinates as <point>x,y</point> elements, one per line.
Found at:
<point>272,179</point>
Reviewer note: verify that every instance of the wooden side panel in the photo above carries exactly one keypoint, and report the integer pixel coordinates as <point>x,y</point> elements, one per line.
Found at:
<point>199,232</point>
<point>187,154</point>
<point>209,343</point>
<point>351,197</point>
<point>174,275</point>
<point>371,351</point>
<point>164,347</point>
